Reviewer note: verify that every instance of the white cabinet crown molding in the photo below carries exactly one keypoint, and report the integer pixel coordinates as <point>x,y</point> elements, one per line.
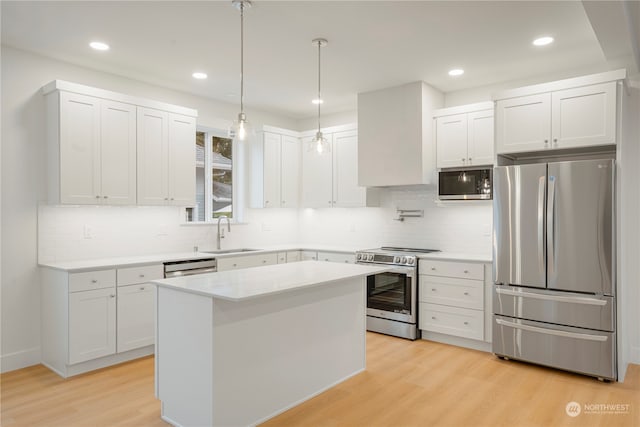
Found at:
<point>115,96</point>
<point>574,82</point>
<point>460,109</point>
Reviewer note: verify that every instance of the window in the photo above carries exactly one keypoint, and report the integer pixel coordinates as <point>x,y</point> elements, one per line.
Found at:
<point>214,178</point>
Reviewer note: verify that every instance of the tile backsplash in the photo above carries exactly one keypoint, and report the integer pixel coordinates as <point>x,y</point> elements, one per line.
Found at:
<point>85,232</point>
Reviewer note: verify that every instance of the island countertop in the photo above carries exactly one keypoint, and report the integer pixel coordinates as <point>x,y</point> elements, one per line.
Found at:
<point>248,283</point>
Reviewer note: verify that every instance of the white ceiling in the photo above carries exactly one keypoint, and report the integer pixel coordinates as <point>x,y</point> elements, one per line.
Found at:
<point>372,45</point>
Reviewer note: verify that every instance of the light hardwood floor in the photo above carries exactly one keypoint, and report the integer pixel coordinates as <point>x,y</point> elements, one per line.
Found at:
<point>406,384</point>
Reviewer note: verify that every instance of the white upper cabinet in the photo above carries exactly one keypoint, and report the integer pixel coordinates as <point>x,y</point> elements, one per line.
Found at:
<point>182,160</point>
<point>346,192</point>
<point>567,114</point>
<point>331,179</point>
<point>480,140</point>
<point>166,158</point>
<point>110,148</point>
<point>92,150</point>
<point>451,140</point>
<point>317,176</point>
<point>396,139</point>
<point>281,173</point>
<point>464,135</point>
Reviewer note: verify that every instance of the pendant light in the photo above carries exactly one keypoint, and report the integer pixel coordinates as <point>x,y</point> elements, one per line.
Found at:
<point>319,144</point>
<point>241,129</point>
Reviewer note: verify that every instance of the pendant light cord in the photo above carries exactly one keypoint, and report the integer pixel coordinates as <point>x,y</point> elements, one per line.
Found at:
<point>319,98</point>
<point>241,57</point>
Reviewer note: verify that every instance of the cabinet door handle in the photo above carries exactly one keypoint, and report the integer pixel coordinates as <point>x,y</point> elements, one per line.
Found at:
<point>235,265</point>
<point>469,159</point>
<point>329,202</point>
<point>142,275</point>
<point>433,289</point>
<point>264,261</point>
<point>466,272</point>
<point>266,202</point>
<point>112,296</point>
<point>105,197</point>
<point>464,160</point>
<point>466,293</point>
<point>546,141</point>
<point>433,269</point>
<point>172,198</point>
<point>166,198</point>
<point>466,323</point>
<point>142,288</point>
<point>94,281</point>
<point>555,140</point>
<point>97,197</point>
<point>433,317</point>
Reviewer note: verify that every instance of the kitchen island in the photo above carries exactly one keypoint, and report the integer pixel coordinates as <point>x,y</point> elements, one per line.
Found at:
<point>236,348</point>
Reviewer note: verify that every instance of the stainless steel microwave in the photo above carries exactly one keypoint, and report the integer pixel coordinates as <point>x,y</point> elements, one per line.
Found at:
<point>465,184</point>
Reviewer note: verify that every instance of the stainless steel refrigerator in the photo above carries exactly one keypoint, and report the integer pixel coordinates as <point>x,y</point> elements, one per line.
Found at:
<point>554,265</point>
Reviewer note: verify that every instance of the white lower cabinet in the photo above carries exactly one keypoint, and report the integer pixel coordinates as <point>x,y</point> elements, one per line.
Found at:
<point>246,261</point>
<point>293,256</point>
<point>135,313</point>
<point>94,319</point>
<point>92,324</point>
<point>452,298</point>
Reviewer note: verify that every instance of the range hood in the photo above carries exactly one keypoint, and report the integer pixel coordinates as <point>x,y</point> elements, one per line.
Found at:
<point>396,143</point>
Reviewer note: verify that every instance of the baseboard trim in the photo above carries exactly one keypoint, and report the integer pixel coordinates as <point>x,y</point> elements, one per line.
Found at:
<point>20,359</point>
<point>634,355</point>
<point>457,341</point>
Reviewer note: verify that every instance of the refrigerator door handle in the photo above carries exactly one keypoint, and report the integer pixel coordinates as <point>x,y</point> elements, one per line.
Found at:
<point>551,229</point>
<point>541,251</point>
<point>573,300</point>
<point>546,331</point>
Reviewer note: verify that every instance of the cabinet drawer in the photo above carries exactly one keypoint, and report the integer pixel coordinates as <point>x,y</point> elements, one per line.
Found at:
<point>293,256</point>
<point>465,270</point>
<point>462,322</point>
<point>282,257</point>
<point>90,280</point>
<point>308,255</point>
<point>454,292</point>
<point>336,257</point>
<point>133,275</point>
<point>266,259</point>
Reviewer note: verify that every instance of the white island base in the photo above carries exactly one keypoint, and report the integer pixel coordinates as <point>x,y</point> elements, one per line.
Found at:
<point>238,360</point>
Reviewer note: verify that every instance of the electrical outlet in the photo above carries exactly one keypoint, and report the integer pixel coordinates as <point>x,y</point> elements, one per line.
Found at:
<point>266,226</point>
<point>87,232</point>
<point>163,230</point>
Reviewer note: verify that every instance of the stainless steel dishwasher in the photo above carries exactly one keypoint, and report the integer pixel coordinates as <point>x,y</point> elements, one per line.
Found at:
<point>190,267</point>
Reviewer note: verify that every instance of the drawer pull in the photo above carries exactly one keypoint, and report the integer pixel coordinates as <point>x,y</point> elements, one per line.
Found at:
<point>264,261</point>
<point>466,323</point>
<point>433,269</point>
<point>112,296</point>
<point>141,276</point>
<point>466,272</point>
<point>142,288</point>
<point>235,265</point>
<point>433,317</point>
<point>466,293</point>
<point>433,289</point>
<point>94,281</point>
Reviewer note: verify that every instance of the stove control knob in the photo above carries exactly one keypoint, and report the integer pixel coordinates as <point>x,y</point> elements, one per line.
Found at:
<point>404,260</point>
<point>359,257</point>
<point>370,257</point>
<point>396,259</point>
<point>411,261</point>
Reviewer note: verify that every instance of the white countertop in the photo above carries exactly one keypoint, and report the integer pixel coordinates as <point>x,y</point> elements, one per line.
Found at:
<point>132,261</point>
<point>243,284</point>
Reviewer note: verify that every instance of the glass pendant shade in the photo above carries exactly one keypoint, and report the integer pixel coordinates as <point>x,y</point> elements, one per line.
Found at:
<point>241,128</point>
<point>319,144</point>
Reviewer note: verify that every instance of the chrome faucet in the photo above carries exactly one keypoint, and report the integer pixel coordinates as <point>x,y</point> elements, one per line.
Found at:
<point>221,236</point>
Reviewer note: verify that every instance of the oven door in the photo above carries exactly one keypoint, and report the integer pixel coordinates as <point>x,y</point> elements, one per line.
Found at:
<point>392,295</point>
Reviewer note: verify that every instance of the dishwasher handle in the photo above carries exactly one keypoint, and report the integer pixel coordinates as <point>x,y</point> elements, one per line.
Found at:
<point>181,273</point>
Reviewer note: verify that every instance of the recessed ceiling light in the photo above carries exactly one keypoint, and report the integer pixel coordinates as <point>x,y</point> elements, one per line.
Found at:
<point>317,101</point>
<point>543,41</point>
<point>199,75</point>
<point>99,46</point>
<point>456,72</point>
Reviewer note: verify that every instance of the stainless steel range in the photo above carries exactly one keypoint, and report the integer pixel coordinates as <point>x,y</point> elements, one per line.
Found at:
<point>392,296</point>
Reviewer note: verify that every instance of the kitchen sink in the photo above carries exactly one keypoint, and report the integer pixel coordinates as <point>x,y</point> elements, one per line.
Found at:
<point>230,251</point>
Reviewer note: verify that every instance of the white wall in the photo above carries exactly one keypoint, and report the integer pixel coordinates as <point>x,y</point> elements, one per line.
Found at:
<point>24,185</point>
<point>463,227</point>
<point>327,120</point>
